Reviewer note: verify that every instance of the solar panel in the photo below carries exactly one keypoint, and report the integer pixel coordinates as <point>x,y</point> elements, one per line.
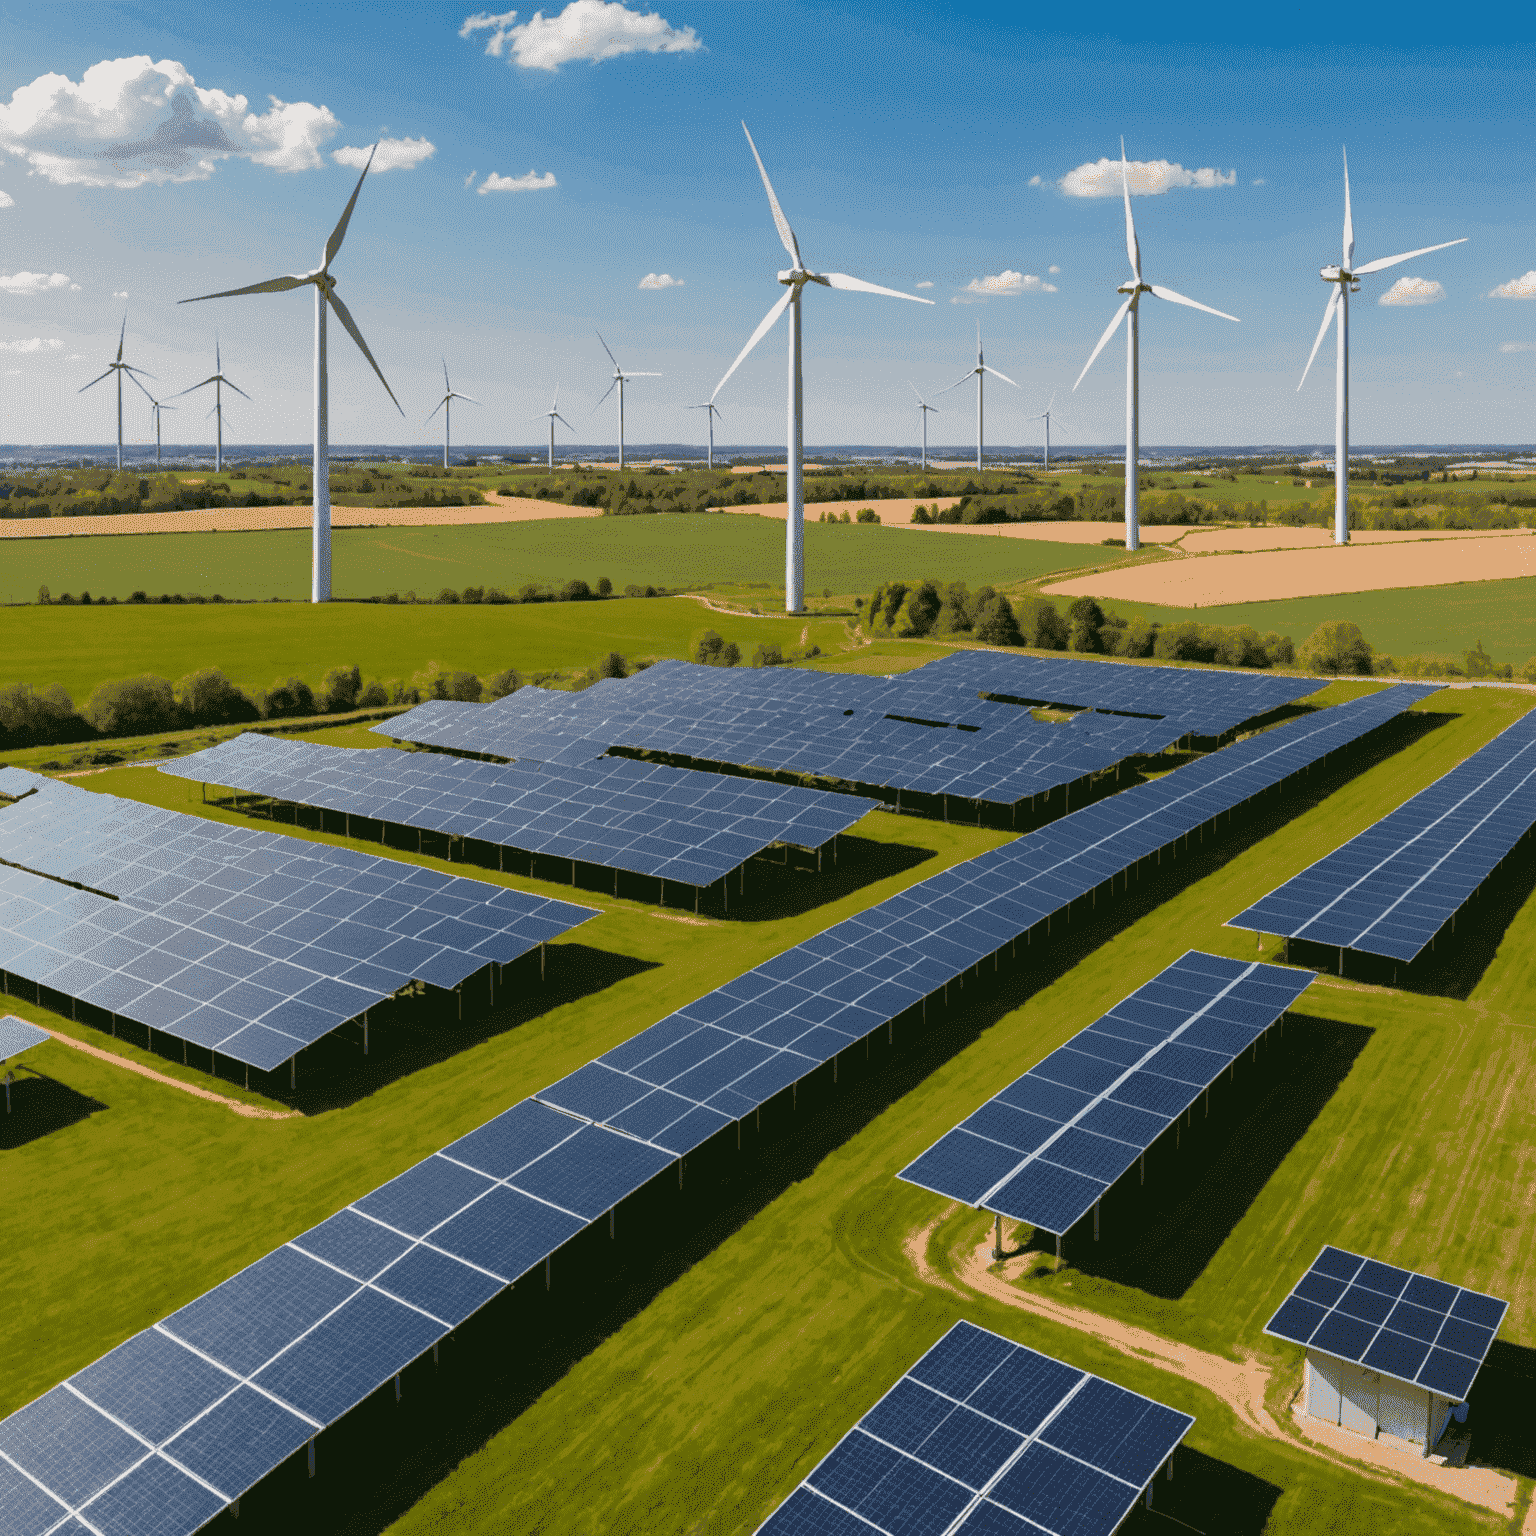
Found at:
<point>1048,1146</point>
<point>984,1436</point>
<point>16,1036</point>
<point>245,942</point>
<point>669,823</point>
<point>1390,890</point>
<point>1408,1326</point>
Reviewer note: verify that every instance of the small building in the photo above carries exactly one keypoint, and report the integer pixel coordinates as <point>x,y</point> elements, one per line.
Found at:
<point>1390,1353</point>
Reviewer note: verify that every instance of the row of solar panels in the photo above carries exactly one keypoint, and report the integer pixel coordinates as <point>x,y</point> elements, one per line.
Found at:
<point>1390,890</point>
<point>644,818</point>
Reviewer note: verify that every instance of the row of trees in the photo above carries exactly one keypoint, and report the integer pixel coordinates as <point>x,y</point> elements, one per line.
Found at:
<point>574,591</point>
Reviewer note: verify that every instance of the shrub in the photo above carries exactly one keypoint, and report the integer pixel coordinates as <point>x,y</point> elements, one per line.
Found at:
<point>373,695</point>
<point>289,699</point>
<point>1041,624</point>
<point>132,706</point>
<point>499,684</point>
<point>29,719</point>
<point>866,515</point>
<point>446,595</point>
<point>1085,620</point>
<point>604,587</point>
<point>1337,647</point>
<point>713,651</point>
<point>339,689</point>
<point>612,665</point>
<point>767,655</point>
<point>634,590</point>
<point>1137,638</point>
<point>993,621</point>
<point>208,697</point>
<point>576,591</point>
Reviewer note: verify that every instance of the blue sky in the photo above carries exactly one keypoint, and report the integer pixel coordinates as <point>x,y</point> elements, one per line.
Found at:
<point>908,143</point>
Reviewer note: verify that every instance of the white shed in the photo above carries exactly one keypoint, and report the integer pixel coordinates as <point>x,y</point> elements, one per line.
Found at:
<point>1377,1406</point>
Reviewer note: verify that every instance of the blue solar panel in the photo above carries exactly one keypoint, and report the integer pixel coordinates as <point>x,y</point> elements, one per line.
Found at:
<point>240,1441</point>
<point>1420,1330</point>
<point>16,1035</point>
<point>1390,890</point>
<point>979,1435</point>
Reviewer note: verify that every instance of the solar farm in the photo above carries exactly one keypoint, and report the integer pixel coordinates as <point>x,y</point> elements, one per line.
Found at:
<point>964,1100</point>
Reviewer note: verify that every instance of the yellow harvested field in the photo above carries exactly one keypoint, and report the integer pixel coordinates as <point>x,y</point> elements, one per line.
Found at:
<point>1257,578</point>
<point>1210,540</point>
<point>898,514</point>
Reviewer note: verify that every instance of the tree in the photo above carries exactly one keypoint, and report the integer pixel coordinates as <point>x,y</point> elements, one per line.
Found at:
<point>1137,638</point>
<point>916,613</point>
<point>132,706</point>
<point>289,699</point>
<point>576,591</point>
<point>499,684</point>
<point>1337,647</point>
<point>339,689</point>
<point>604,587</point>
<point>612,665</point>
<point>30,719</point>
<point>767,655</point>
<point>993,622</point>
<point>1041,624</point>
<point>1085,619</point>
<point>373,695</point>
<point>208,697</point>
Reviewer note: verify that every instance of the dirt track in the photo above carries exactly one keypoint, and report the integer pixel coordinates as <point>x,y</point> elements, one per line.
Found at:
<point>1209,541</point>
<point>897,513</point>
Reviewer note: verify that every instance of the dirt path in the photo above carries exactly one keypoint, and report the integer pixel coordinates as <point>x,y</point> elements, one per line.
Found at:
<point>1242,1386</point>
<point>250,1111</point>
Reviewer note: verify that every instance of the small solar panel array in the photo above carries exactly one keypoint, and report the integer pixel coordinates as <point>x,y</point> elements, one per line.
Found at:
<point>16,1036</point>
<point>1408,1326</point>
<point>242,941</point>
<point>1048,1146</point>
<point>644,818</point>
<point>1390,890</point>
<point>986,1437</point>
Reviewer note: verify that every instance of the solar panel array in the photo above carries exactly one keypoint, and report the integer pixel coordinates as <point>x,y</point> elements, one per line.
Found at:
<point>16,1036</point>
<point>1049,1146</point>
<point>1390,890</point>
<point>242,941</point>
<point>986,1437</point>
<point>671,823</point>
<point>1408,1326</point>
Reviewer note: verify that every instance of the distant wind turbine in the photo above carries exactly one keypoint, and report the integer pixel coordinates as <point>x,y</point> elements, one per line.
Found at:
<point>980,371</point>
<point>794,280</point>
<point>1045,416</point>
<point>119,368</point>
<point>619,380</point>
<point>923,408</point>
<point>217,379</point>
<point>1133,291</point>
<point>325,293</point>
<point>1346,278</point>
<point>157,406</point>
<point>445,405</point>
<point>714,410</point>
<point>554,415</point>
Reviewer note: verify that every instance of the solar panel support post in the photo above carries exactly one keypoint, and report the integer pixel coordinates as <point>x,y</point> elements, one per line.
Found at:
<point>997,1238</point>
<point>1143,1167</point>
<point>1095,1221</point>
<point>293,1082</point>
<point>311,1456</point>
<point>234,1509</point>
<point>397,1386</point>
<point>610,1222</point>
<point>365,1031</point>
<point>1058,1250</point>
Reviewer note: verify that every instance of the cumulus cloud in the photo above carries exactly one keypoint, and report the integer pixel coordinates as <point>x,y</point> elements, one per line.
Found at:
<point>1034,181</point>
<point>923,285</point>
<point>1413,290</point>
<point>469,180</point>
<point>1053,270</point>
<point>33,344</point>
<point>391,155</point>
<point>1101,178</point>
<point>1004,285</point>
<point>1516,288</point>
<point>532,182</point>
<point>585,29</point>
<point>30,283</point>
<point>129,122</point>
<point>1518,346</point>
<point>6,200</point>
<point>122,295</point>
<point>660,280</point>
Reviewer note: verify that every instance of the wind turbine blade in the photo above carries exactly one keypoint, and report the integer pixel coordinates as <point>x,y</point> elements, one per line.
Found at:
<point>964,378</point>
<point>1178,298</point>
<point>236,389</point>
<point>611,358</point>
<point>1392,261</point>
<point>914,389</point>
<point>346,319</point>
<point>1132,248</point>
<point>180,392</point>
<point>716,409</point>
<point>858,285</point>
<point>1110,330</point>
<point>435,409</point>
<point>272,285</point>
<point>987,367</point>
<point>606,393</point>
<point>642,375</point>
<point>447,387</point>
<point>1322,330</point>
<point>564,423</point>
<point>470,398</point>
<point>107,375</point>
<point>1349,222</point>
<point>786,234</point>
<point>147,394</point>
<point>764,326</point>
<point>554,404</point>
<point>340,232</point>
<point>129,368</point>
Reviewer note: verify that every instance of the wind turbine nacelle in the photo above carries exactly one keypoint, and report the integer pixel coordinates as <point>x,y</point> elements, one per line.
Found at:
<point>1330,274</point>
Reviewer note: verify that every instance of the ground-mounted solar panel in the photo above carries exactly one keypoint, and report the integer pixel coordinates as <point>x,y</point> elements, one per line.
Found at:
<point>16,1036</point>
<point>985,1436</point>
<point>1390,890</point>
<point>244,942</point>
<point>1411,1327</point>
<point>1047,1148</point>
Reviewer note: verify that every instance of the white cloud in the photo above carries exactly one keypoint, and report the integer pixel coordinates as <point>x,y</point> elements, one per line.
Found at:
<point>1034,181</point>
<point>532,182</point>
<point>391,155</point>
<point>585,29</point>
<point>30,283</point>
<point>1518,346</point>
<point>123,295</point>
<point>1516,288</point>
<point>33,344</point>
<point>469,180</point>
<point>1101,178</point>
<point>922,285</point>
<point>1413,290</point>
<point>660,280</point>
<point>1054,271</point>
<point>1004,285</point>
<point>133,121</point>
<point>6,200</point>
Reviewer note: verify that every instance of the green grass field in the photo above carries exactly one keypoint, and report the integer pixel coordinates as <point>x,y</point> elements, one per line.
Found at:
<point>697,1398</point>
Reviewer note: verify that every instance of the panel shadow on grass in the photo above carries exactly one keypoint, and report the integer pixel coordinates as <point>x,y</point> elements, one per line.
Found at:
<point>1206,1495</point>
<point>777,891</point>
<point>41,1105</point>
<point>1502,1424</point>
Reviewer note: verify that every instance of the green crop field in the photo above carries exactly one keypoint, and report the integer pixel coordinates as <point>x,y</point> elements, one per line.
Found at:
<point>695,1371</point>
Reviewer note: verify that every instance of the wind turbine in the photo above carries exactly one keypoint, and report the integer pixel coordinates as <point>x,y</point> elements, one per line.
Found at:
<point>445,405</point>
<point>923,409</point>
<point>980,370</point>
<point>119,368</point>
<point>217,379</point>
<point>325,293</point>
<point>1045,416</point>
<point>1345,278</point>
<point>1133,291</point>
<point>619,379</point>
<point>794,280</point>
<point>714,410</point>
<point>554,415</point>
<point>157,406</point>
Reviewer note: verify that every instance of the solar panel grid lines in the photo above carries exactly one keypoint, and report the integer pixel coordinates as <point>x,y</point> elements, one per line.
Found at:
<point>980,1435</point>
<point>1416,1329</point>
<point>1391,889</point>
<point>16,1036</point>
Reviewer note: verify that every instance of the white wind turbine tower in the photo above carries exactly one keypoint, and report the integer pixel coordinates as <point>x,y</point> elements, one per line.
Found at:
<point>714,410</point>
<point>157,406</point>
<point>980,371</point>
<point>554,415</point>
<point>1133,291</point>
<point>217,379</point>
<point>120,368</point>
<point>325,293</point>
<point>1045,416</point>
<point>1345,278</point>
<point>923,408</point>
<point>794,280</point>
<point>619,379</point>
<point>445,405</point>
